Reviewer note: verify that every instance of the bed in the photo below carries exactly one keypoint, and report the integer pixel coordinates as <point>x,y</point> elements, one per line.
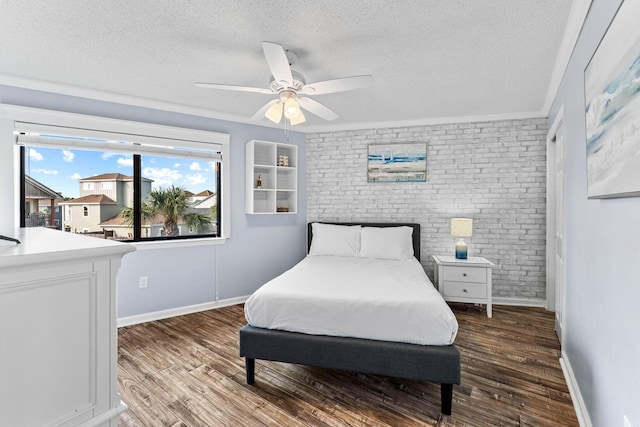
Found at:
<point>416,354</point>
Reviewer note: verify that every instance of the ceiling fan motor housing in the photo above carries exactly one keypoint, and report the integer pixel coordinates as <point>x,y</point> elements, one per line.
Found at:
<point>298,83</point>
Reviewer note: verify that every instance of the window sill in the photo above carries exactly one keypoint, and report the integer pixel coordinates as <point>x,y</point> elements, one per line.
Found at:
<point>186,243</point>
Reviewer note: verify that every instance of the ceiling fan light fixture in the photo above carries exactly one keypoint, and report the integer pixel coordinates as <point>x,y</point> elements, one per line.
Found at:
<point>291,108</point>
<point>297,119</point>
<point>274,113</point>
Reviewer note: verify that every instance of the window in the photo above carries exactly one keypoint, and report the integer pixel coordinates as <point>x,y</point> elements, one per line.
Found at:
<point>144,189</point>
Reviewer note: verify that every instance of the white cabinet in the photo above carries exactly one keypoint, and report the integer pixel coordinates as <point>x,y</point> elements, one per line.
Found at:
<point>464,280</point>
<point>271,177</point>
<point>58,352</point>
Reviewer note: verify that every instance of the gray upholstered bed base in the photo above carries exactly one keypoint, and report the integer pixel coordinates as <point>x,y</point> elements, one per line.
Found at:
<point>439,364</point>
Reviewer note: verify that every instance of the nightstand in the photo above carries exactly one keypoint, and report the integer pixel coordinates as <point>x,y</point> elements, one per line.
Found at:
<point>464,280</point>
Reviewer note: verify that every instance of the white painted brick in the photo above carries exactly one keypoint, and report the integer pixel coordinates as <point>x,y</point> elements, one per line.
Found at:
<point>494,172</point>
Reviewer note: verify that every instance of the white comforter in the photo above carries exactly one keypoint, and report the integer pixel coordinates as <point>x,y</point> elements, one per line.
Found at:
<point>355,297</point>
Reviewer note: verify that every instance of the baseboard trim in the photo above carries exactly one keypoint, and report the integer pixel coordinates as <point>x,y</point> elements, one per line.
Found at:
<point>519,302</point>
<point>574,391</point>
<point>110,416</point>
<point>178,311</point>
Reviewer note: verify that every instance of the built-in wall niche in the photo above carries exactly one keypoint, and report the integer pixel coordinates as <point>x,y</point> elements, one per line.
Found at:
<point>271,178</point>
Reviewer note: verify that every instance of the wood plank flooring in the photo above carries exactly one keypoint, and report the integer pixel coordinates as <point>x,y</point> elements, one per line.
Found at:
<point>185,371</point>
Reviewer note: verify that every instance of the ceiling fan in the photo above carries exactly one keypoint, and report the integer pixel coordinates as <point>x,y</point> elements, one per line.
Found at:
<point>289,85</point>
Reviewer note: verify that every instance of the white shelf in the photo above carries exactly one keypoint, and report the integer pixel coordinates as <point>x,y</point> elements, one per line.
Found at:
<point>274,165</point>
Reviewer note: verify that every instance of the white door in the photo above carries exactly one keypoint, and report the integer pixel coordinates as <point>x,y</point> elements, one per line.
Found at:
<point>559,232</point>
<point>555,222</point>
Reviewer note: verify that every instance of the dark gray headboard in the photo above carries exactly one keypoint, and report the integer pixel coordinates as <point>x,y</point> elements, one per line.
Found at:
<point>416,231</point>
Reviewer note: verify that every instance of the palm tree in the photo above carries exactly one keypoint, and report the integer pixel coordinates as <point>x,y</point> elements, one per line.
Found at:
<point>172,204</point>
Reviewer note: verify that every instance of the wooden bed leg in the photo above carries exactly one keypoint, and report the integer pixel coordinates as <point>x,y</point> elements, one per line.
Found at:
<point>251,370</point>
<point>446,396</point>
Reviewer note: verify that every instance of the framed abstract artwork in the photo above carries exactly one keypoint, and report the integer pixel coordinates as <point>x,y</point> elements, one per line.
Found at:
<point>397,162</point>
<point>612,108</point>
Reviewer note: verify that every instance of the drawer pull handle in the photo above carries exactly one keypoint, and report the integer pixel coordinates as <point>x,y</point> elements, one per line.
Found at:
<point>464,274</point>
<point>465,291</point>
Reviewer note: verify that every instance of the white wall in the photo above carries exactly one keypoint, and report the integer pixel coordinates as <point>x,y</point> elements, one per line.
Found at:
<point>602,332</point>
<point>260,247</point>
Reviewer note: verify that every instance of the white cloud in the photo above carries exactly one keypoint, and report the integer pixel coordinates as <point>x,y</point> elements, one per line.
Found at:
<point>125,161</point>
<point>106,155</point>
<point>176,165</point>
<point>46,171</point>
<point>34,155</point>
<point>75,176</point>
<point>193,180</point>
<point>162,177</point>
<point>67,156</point>
<point>195,166</point>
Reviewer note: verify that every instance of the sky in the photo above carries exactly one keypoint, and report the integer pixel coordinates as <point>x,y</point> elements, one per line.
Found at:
<point>60,169</point>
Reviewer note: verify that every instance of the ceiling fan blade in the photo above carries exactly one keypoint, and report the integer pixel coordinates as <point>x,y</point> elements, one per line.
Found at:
<point>316,108</point>
<point>234,87</point>
<point>278,63</point>
<point>337,85</point>
<point>261,112</point>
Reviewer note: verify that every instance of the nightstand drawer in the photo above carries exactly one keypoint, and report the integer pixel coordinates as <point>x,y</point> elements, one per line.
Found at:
<point>464,290</point>
<point>465,274</point>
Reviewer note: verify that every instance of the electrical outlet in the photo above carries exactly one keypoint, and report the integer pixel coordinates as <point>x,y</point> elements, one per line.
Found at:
<point>627,423</point>
<point>144,282</point>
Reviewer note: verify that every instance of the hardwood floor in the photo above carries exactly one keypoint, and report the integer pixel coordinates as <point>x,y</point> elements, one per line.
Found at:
<point>185,371</point>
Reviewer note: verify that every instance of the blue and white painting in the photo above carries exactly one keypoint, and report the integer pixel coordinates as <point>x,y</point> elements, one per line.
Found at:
<point>397,163</point>
<point>612,97</point>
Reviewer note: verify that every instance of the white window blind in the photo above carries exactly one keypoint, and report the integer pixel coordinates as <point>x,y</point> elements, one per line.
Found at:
<point>90,139</point>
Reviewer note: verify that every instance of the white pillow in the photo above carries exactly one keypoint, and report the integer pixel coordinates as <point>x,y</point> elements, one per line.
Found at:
<point>386,242</point>
<point>336,240</point>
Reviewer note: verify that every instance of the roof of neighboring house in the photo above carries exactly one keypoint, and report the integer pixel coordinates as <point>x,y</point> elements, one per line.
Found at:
<point>90,199</point>
<point>204,201</point>
<point>205,193</point>
<point>111,177</point>
<point>34,189</point>
<point>188,193</point>
<point>108,177</point>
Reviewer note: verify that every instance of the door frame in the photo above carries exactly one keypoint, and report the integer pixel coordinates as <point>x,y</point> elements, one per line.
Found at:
<point>556,130</point>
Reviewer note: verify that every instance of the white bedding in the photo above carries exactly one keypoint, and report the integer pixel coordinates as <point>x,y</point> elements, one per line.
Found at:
<point>377,299</point>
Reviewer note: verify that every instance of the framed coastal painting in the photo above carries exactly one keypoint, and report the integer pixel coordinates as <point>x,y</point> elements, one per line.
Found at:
<point>612,108</point>
<point>397,162</point>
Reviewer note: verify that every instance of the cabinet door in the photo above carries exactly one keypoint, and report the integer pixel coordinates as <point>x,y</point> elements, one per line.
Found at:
<point>49,328</point>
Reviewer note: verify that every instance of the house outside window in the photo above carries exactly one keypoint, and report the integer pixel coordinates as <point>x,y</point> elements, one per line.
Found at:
<point>130,196</point>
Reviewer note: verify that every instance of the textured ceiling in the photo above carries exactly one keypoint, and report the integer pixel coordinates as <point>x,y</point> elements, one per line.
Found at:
<point>431,59</point>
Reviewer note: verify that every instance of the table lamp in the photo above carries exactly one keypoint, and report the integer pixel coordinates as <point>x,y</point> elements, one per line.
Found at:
<point>461,227</point>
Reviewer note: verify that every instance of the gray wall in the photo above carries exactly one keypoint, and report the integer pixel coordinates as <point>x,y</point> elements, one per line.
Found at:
<point>493,172</point>
<point>602,331</point>
<point>260,247</point>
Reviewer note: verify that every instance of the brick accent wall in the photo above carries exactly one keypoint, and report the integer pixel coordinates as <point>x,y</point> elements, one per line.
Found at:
<point>493,172</point>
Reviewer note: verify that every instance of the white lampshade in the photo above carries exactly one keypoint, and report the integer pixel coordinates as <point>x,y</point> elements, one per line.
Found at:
<point>291,108</point>
<point>461,227</point>
<point>274,113</point>
<point>297,119</point>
